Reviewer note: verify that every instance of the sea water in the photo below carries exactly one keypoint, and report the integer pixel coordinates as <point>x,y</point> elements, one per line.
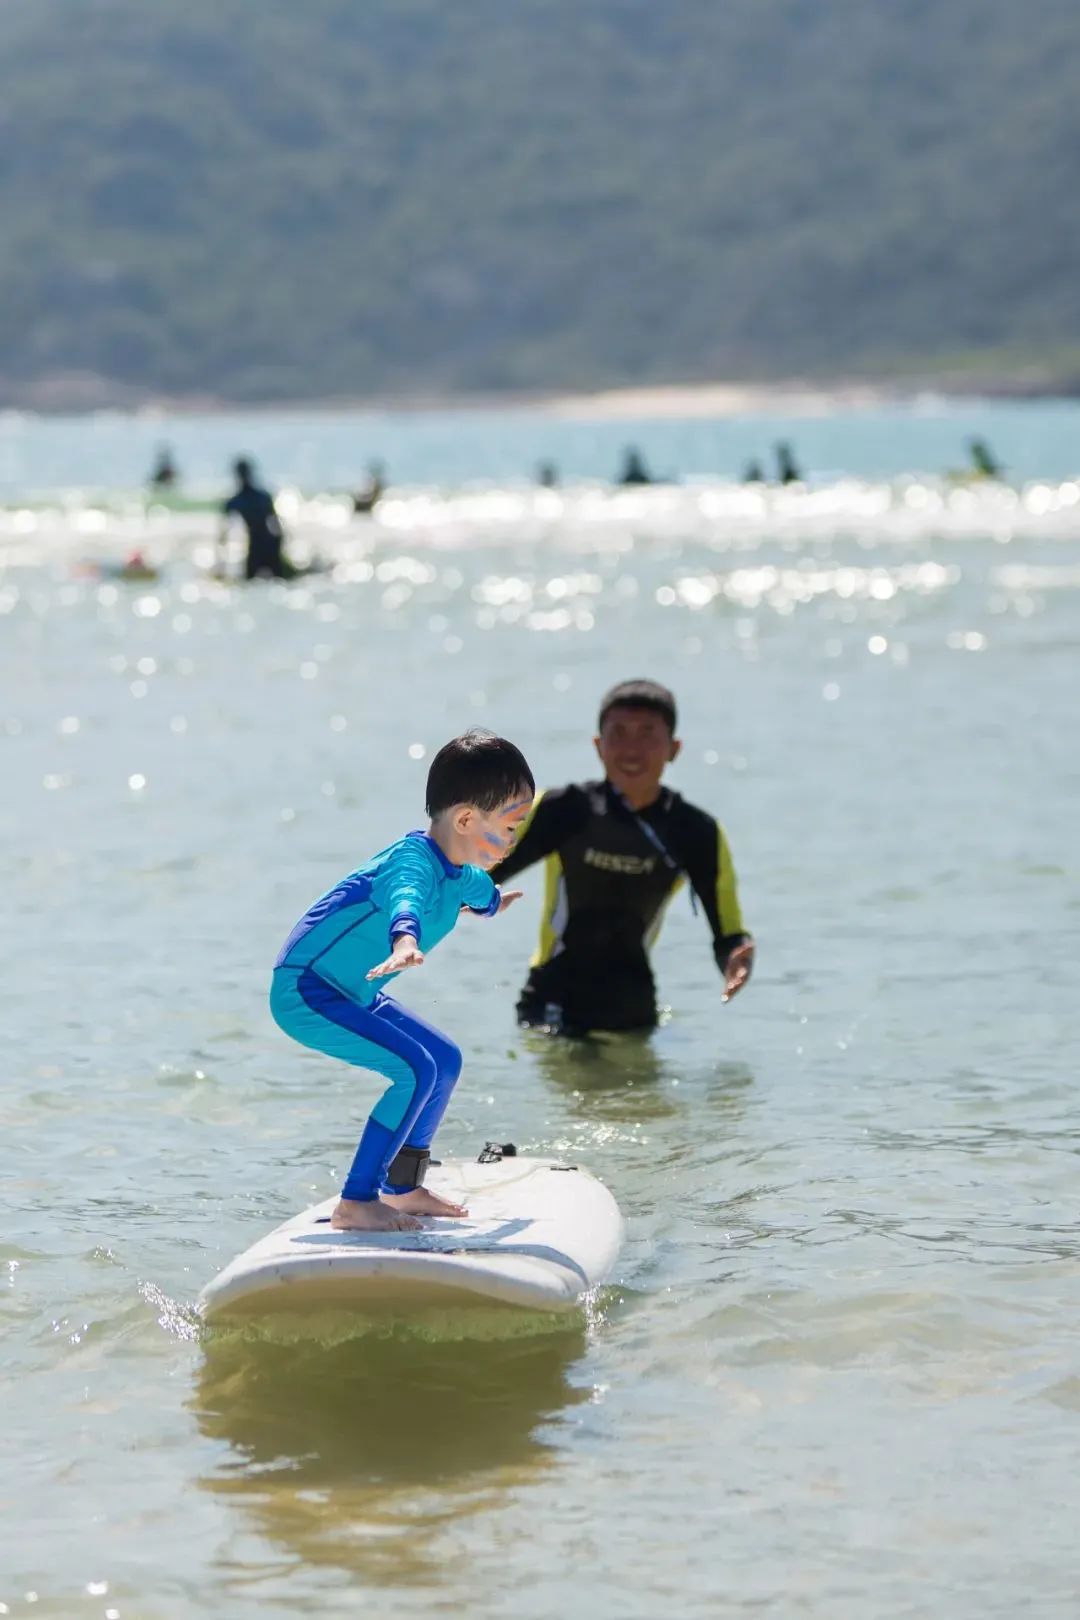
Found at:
<point>837,1373</point>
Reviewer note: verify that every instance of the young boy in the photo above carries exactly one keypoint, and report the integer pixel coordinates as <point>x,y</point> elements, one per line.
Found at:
<point>407,898</point>
<point>615,851</point>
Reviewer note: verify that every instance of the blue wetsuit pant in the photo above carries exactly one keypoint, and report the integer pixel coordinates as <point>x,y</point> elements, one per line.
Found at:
<point>421,1064</point>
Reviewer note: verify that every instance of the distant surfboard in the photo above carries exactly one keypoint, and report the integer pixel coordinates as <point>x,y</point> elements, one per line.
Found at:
<point>540,1235</point>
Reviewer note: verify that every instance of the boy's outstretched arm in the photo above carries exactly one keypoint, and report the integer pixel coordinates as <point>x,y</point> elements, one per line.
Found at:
<point>712,873</point>
<point>483,895</point>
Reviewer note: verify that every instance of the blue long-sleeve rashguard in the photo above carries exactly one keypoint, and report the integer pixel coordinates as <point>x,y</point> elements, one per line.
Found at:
<point>320,994</point>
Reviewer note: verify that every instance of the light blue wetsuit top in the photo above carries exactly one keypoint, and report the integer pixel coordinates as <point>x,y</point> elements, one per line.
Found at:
<point>409,888</point>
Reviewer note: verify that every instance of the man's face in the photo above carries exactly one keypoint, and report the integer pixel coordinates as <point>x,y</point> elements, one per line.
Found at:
<point>634,746</point>
<point>488,836</point>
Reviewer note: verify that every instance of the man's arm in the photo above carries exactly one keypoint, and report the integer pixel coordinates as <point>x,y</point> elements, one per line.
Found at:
<point>712,873</point>
<point>554,817</point>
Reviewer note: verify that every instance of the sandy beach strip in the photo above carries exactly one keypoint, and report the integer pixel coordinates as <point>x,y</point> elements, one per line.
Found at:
<point>670,402</point>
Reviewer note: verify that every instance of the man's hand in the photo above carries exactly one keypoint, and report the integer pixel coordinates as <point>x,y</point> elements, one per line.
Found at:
<point>405,954</point>
<point>739,966</point>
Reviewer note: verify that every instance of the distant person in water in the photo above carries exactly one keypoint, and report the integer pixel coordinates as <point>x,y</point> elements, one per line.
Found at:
<point>547,475</point>
<point>753,473</point>
<point>983,461</point>
<point>368,498</point>
<point>255,508</point>
<point>787,471</point>
<point>136,566</point>
<point>164,474</point>
<point>634,470</point>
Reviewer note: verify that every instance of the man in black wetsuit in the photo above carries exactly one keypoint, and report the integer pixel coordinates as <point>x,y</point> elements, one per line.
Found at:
<point>634,470</point>
<point>255,508</point>
<point>164,474</point>
<point>787,472</point>
<point>984,464</point>
<point>615,851</point>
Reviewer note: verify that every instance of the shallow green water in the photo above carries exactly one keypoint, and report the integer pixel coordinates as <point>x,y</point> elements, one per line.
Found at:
<point>837,1374</point>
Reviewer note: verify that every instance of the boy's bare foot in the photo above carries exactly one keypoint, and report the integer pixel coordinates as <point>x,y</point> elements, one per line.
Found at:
<point>419,1201</point>
<point>370,1215</point>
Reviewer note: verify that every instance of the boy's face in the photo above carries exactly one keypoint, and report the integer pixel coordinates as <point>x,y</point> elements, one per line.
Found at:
<point>483,836</point>
<point>635,746</point>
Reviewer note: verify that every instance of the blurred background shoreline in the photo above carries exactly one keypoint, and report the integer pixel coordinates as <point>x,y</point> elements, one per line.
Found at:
<point>90,396</point>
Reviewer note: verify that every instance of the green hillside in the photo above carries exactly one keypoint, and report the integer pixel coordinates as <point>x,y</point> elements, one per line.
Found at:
<point>272,199</point>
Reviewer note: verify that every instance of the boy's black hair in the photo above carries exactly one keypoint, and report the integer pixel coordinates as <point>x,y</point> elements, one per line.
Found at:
<point>640,694</point>
<point>479,769</point>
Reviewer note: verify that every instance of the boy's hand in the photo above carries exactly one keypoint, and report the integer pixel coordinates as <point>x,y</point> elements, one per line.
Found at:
<point>739,965</point>
<point>405,954</point>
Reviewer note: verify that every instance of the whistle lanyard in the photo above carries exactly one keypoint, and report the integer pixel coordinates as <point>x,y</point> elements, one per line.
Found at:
<point>658,844</point>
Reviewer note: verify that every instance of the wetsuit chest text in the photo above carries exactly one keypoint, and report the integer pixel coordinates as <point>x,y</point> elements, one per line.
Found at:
<point>627,865</point>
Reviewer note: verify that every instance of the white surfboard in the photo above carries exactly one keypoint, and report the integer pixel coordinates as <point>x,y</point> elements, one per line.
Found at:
<point>539,1235</point>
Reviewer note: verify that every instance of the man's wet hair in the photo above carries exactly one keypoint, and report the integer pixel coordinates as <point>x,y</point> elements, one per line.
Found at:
<point>244,468</point>
<point>480,769</point>
<point>640,694</point>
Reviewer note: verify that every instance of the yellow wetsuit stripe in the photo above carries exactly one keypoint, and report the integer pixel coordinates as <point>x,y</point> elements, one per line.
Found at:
<point>727,895</point>
<point>553,888</point>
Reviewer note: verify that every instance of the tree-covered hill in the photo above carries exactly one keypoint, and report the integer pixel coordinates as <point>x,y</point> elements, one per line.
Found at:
<point>272,199</point>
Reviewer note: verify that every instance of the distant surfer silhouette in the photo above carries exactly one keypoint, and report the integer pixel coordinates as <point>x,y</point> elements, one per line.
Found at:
<point>787,470</point>
<point>368,498</point>
<point>254,506</point>
<point>634,470</point>
<point>164,474</point>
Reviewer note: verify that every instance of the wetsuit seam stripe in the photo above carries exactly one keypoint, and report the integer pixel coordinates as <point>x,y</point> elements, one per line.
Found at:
<point>339,937</point>
<point>366,1013</point>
